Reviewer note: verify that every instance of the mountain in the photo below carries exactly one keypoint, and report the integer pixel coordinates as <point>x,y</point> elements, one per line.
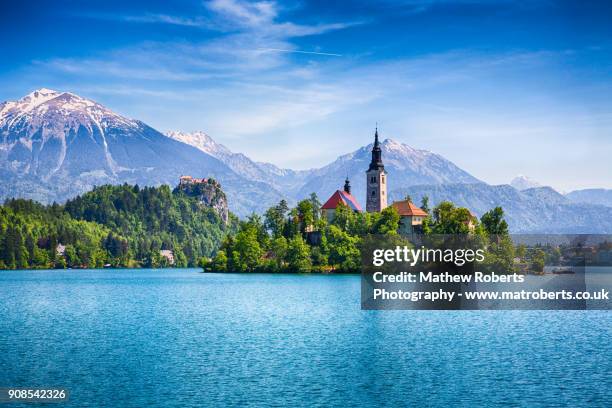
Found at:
<point>521,182</point>
<point>535,210</point>
<point>55,145</point>
<point>285,180</point>
<point>600,196</point>
<point>405,166</point>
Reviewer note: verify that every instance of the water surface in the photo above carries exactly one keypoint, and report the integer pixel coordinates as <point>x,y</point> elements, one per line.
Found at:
<point>135,338</point>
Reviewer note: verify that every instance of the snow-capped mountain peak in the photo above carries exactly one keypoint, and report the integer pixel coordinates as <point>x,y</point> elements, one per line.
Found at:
<point>45,132</point>
<point>43,107</point>
<point>200,140</point>
<point>522,182</point>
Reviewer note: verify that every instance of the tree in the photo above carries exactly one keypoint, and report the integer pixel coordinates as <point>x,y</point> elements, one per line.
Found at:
<point>298,255</point>
<point>247,251</point>
<point>388,223</point>
<point>448,219</point>
<point>499,256</point>
<point>425,204</point>
<point>283,208</point>
<point>306,215</point>
<point>554,256</point>
<point>316,205</point>
<point>71,256</point>
<point>538,260</point>
<point>343,249</point>
<point>219,263</point>
<point>494,223</point>
<point>279,249</point>
<point>521,251</point>
<point>274,220</point>
<point>344,217</point>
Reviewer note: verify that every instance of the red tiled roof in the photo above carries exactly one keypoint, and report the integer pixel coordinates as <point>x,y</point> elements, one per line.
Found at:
<point>341,197</point>
<point>406,208</point>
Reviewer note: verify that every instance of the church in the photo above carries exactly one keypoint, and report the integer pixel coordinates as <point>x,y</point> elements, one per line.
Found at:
<point>411,217</point>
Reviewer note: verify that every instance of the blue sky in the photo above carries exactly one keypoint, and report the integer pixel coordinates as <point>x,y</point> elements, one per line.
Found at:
<point>499,87</point>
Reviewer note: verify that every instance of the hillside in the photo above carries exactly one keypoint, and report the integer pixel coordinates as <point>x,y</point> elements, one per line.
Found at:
<point>117,225</point>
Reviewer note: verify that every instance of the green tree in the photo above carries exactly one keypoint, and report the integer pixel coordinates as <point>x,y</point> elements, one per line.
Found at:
<point>344,217</point>
<point>274,220</point>
<point>298,255</point>
<point>388,223</point>
<point>521,251</point>
<point>279,249</point>
<point>306,215</point>
<point>316,206</point>
<point>425,204</point>
<point>219,263</point>
<point>247,251</point>
<point>448,219</point>
<point>494,223</point>
<point>538,260</point>
<point>71,256</point>
<point>499,255</point>
<point>343,249</point>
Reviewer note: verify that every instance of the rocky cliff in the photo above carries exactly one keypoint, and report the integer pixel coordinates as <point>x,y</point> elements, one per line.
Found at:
<point>209,193</point>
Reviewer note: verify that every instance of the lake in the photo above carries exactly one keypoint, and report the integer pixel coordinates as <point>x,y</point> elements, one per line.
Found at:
<point>136,338</point>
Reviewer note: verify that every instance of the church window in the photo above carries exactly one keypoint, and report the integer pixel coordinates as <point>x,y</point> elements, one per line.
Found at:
<point>373,193</point>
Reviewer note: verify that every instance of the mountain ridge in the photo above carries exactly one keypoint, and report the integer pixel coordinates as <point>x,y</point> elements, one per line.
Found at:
<point>59,145</point>
<point>56,145</point>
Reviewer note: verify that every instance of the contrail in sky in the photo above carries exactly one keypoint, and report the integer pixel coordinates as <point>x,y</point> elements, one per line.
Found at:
<point>302,52</point>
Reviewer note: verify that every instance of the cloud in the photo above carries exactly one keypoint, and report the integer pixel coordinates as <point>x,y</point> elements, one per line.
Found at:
<point>261,18</point>
<point>249,37</point>
<point>166,19</point>
<point>258,18</point>
<point>241,13</point>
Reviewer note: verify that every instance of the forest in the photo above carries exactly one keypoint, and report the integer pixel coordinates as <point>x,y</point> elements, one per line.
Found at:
<point>301,240</point>
<point>118,226</point>
<point>129,226</point>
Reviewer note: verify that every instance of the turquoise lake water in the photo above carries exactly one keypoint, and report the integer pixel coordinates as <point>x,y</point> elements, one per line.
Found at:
<point>136,338</point>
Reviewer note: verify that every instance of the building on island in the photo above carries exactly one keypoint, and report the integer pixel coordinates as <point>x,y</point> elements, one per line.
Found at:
<point>340,197</point>
<point>376,190</point>
<point>168,254</point>
<point>185,180</point>
<point>411,217</point>
<point>471,223</point>
<point>376,180</point>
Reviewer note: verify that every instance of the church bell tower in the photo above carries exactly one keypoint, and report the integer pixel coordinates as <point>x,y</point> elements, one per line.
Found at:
<point>376,182</point>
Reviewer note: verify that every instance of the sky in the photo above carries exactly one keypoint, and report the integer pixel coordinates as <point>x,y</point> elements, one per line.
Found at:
<point>500,88</point>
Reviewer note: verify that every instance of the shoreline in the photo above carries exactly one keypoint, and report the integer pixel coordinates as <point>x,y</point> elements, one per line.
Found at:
<point>199,270</point>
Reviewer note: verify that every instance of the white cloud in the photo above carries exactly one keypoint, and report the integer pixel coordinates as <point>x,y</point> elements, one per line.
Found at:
<point>246,87</point>
<point>241,13</point>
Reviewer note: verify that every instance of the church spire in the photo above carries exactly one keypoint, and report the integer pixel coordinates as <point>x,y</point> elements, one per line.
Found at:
<point>376,143</point>
<point>376,163</point>
<point>376,179</point>
<point>347,185</point>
